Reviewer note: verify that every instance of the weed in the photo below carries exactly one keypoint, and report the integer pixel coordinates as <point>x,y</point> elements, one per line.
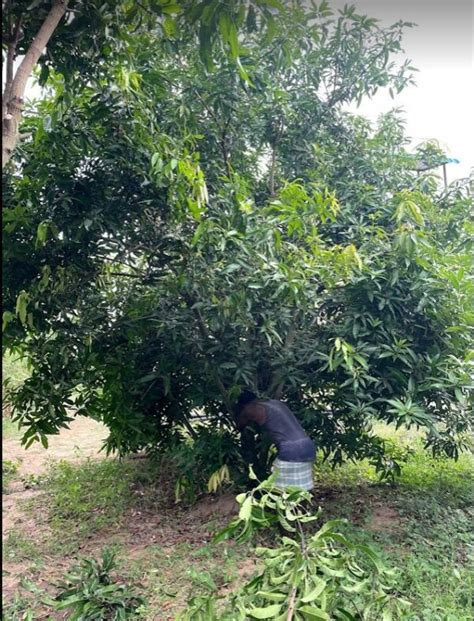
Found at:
<point>18,610</point>
<point>31,481</point>
<point>9,472</point>
<point>91,592</point>
<point>19,546</point>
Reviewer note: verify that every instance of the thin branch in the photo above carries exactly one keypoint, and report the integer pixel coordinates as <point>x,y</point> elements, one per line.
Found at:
<point>189,427</point>
<point>127,275</point>
<point>291,607</point>
<point>225,155</point>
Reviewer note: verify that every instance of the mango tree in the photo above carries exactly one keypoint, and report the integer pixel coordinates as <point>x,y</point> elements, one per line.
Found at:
<point>183,231</point>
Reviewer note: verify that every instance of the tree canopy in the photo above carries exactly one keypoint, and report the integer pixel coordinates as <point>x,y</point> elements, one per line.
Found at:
<point>189,224</point>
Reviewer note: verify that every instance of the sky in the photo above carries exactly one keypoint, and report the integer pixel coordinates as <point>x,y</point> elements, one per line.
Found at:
<point>441,46</point>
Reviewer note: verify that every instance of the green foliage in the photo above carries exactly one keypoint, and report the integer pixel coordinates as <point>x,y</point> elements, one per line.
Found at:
<point>176,232</point>
<point>18,610</point>
<point>322,576</point>
<point>196,463</point>
<point>89,591</point>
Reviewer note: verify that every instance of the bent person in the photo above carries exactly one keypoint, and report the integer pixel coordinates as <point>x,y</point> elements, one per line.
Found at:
<point>296,451</point>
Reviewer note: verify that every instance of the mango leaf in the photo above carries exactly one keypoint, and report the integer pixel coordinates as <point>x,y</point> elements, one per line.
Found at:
<point>21,306</point>
<point>273,596</point>
<point>316,592</point>
<point>246,509</point>
<point>311,612</point>
<point>270,612</point>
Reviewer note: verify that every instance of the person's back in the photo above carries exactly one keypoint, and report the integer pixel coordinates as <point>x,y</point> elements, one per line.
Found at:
<point>291,440</point>
<point>296,451</point>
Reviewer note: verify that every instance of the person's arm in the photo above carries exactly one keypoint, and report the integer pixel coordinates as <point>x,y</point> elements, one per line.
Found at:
<point>248,445</point>
<point>241,421</point>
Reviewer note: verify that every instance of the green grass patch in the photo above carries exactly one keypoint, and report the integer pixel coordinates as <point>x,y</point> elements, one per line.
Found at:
<point>428,529</point>
<point>441,476</point>
<point>19,609</point>
<point>82,499</point>
<point>172,576</point>
<point>20,546</point>
<point>89,496</point>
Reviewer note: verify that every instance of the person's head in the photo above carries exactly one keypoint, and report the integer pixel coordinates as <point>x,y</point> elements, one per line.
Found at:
<point>246,397</point>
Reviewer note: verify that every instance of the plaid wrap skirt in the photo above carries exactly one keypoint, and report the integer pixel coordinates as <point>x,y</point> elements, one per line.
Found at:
<point>294,474</point>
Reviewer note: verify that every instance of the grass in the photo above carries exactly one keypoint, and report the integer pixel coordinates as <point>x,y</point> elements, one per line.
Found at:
<point>19,609</point>
<point>86,498</point>
<point>19,546</point>
<point>171,577</point>
<point>422,524</point>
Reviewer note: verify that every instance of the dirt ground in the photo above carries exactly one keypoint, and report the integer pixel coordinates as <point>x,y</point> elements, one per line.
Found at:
<point>83,439</point>
<point>140,530</point>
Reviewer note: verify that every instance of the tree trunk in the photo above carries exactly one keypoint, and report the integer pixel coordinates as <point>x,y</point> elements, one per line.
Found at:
<point>15,89</point>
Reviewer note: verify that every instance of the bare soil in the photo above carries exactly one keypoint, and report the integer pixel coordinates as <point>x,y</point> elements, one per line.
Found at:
<point>83,439</point>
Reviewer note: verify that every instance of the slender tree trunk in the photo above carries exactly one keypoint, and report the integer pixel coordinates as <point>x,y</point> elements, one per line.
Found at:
<point>15,86</point>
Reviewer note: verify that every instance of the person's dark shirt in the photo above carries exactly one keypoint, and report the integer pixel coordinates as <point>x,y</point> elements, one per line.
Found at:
<point>283,428</point>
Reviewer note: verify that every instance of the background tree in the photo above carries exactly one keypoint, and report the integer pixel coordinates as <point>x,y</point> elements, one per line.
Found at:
<point>182,231</point>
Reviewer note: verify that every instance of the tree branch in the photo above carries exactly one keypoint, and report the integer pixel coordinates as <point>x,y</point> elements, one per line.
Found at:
<point>13,104</point>
<point>12,43</point>
<point>225,155</point>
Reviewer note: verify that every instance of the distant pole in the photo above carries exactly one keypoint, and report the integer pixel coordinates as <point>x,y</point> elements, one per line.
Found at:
<point>445,177</point>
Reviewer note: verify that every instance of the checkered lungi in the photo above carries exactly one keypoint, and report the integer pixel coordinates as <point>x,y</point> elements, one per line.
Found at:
<point>294,474</point>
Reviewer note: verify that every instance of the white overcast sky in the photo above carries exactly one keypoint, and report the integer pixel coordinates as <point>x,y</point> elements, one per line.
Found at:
<point>441,46</point>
